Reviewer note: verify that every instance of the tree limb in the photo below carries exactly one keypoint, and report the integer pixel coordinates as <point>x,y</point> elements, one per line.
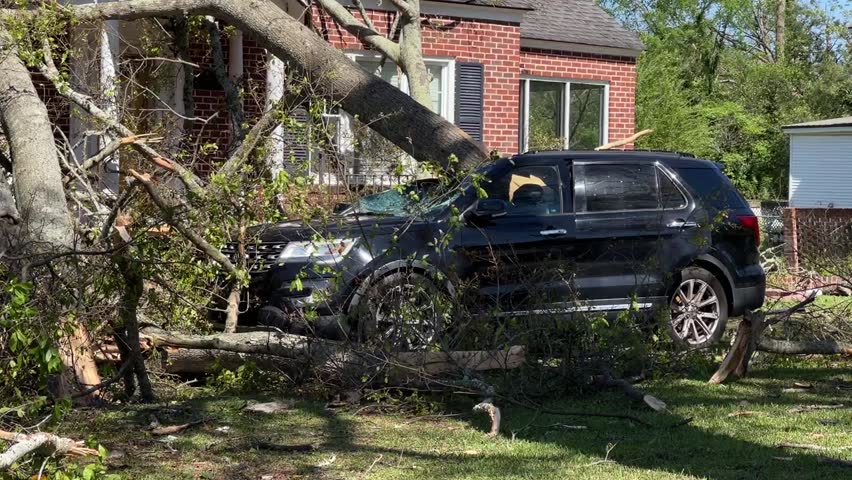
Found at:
<point>366,34</point>
<point>168,214</point>
<point>625,141</point>
<point>811,347</point>
<point>105,152</point>
<point>267,122</point>
<point>405,7</point>
<point>366,16</point>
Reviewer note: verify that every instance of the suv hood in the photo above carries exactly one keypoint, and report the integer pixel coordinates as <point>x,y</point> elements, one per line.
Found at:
<point>350,226</point>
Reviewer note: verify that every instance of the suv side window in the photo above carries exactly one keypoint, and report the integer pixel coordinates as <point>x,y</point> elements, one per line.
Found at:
<point>529,190</point>
<point>671,197</point>
<point>625,187</point>
<point>615,187</point>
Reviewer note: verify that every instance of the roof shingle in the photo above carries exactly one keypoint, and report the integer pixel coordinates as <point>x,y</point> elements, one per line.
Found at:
<point>576,21</point>
<point>568,21</point>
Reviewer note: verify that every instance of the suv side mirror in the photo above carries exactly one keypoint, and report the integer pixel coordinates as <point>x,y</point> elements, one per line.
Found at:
<point>487,208</point>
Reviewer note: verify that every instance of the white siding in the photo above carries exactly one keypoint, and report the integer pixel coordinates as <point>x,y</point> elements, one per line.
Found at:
<point>821,170</point>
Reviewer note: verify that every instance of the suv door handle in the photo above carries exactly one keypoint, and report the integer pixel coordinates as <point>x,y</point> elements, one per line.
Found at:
<point>679,223</point>
<point>553,233</point>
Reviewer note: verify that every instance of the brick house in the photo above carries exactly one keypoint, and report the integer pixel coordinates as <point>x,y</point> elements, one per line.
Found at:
<point>517,75</point>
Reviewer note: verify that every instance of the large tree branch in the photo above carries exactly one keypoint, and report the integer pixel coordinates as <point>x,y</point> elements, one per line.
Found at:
<point>391,113</point>
<point>366,34</point>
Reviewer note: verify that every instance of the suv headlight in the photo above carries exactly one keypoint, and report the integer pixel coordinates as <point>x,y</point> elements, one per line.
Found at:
<point>322,252</point>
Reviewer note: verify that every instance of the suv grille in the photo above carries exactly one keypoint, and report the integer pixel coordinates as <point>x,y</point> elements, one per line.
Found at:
<point>259,257</point>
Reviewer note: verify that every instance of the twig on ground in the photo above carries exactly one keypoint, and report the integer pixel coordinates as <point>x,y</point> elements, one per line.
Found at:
<point>810,408</point>
<point>370,468</point>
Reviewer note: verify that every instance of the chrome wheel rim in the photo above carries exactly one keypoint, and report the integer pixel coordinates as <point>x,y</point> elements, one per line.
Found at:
<point>695,311</point>
<point>406,317</point>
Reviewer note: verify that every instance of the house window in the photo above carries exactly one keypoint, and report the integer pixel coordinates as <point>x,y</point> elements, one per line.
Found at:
<point>373,155</point>
<point>440,72</point>
<point>561,114</point>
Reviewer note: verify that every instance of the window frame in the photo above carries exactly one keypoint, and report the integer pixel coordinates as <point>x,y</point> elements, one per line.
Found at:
<point>448,75</point>
<point>659,168</point>
<point>524,120</point>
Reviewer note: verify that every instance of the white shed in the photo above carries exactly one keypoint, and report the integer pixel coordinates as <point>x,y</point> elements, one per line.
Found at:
<point>821,163</point>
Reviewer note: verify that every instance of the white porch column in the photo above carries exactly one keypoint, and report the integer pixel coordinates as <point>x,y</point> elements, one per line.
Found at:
<point>235,56</point>
<point>109,49</point>
<point>81,65</point>
<point>275,75</point>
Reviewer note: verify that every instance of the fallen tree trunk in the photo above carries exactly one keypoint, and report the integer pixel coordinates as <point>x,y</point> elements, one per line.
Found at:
<point>296,348</point>
<point>205,361</point>
<point>811,347</point>
<point>296,353</point>
<point>40,196</point>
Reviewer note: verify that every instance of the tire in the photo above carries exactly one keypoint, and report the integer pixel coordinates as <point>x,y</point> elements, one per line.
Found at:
<point>699,309</point>
<point>403,311</point>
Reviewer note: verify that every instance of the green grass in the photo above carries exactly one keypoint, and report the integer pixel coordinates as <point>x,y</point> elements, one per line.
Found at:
<point>713,445</point>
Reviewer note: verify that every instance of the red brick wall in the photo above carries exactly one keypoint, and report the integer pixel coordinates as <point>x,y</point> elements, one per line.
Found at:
<point>494,44</point>
<point>817,238</point>
<point>210,101</point>
<point>58,109</point>
<point>619,72</point>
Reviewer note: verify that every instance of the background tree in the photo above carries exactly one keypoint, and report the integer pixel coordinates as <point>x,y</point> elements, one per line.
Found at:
<point>720,78</point>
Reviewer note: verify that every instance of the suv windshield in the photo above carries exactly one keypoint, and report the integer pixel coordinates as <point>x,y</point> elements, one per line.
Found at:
<point>421,198</point>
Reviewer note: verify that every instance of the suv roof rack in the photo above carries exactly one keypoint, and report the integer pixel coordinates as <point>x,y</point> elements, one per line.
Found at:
<point>645,150</point>
<point>682,154</point>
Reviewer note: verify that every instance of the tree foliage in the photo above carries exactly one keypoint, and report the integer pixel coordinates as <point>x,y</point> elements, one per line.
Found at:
<point>714,82</point>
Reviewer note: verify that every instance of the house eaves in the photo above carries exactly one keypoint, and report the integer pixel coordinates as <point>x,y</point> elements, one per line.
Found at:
<point>564,25</point>
<point>832,125</point>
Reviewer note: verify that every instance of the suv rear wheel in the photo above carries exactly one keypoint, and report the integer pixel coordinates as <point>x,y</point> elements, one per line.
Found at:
<point>699,309</point>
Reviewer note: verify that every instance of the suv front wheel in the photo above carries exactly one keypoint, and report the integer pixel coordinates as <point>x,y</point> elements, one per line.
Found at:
<point>404,311</point>
<point>699,309</point>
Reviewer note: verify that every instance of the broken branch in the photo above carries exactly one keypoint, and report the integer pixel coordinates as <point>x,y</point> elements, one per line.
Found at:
<point>625,141</point>
<point>54,445</point>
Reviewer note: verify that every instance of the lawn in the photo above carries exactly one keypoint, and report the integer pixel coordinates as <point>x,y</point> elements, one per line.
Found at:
<point>734,434</point>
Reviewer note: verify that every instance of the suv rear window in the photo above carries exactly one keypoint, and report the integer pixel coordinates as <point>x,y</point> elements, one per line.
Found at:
<point>625,187</point>
<point>609,188</point>
<point>713,187</point>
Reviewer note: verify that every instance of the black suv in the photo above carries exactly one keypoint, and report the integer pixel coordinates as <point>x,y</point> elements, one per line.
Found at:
<point>540,233</point>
